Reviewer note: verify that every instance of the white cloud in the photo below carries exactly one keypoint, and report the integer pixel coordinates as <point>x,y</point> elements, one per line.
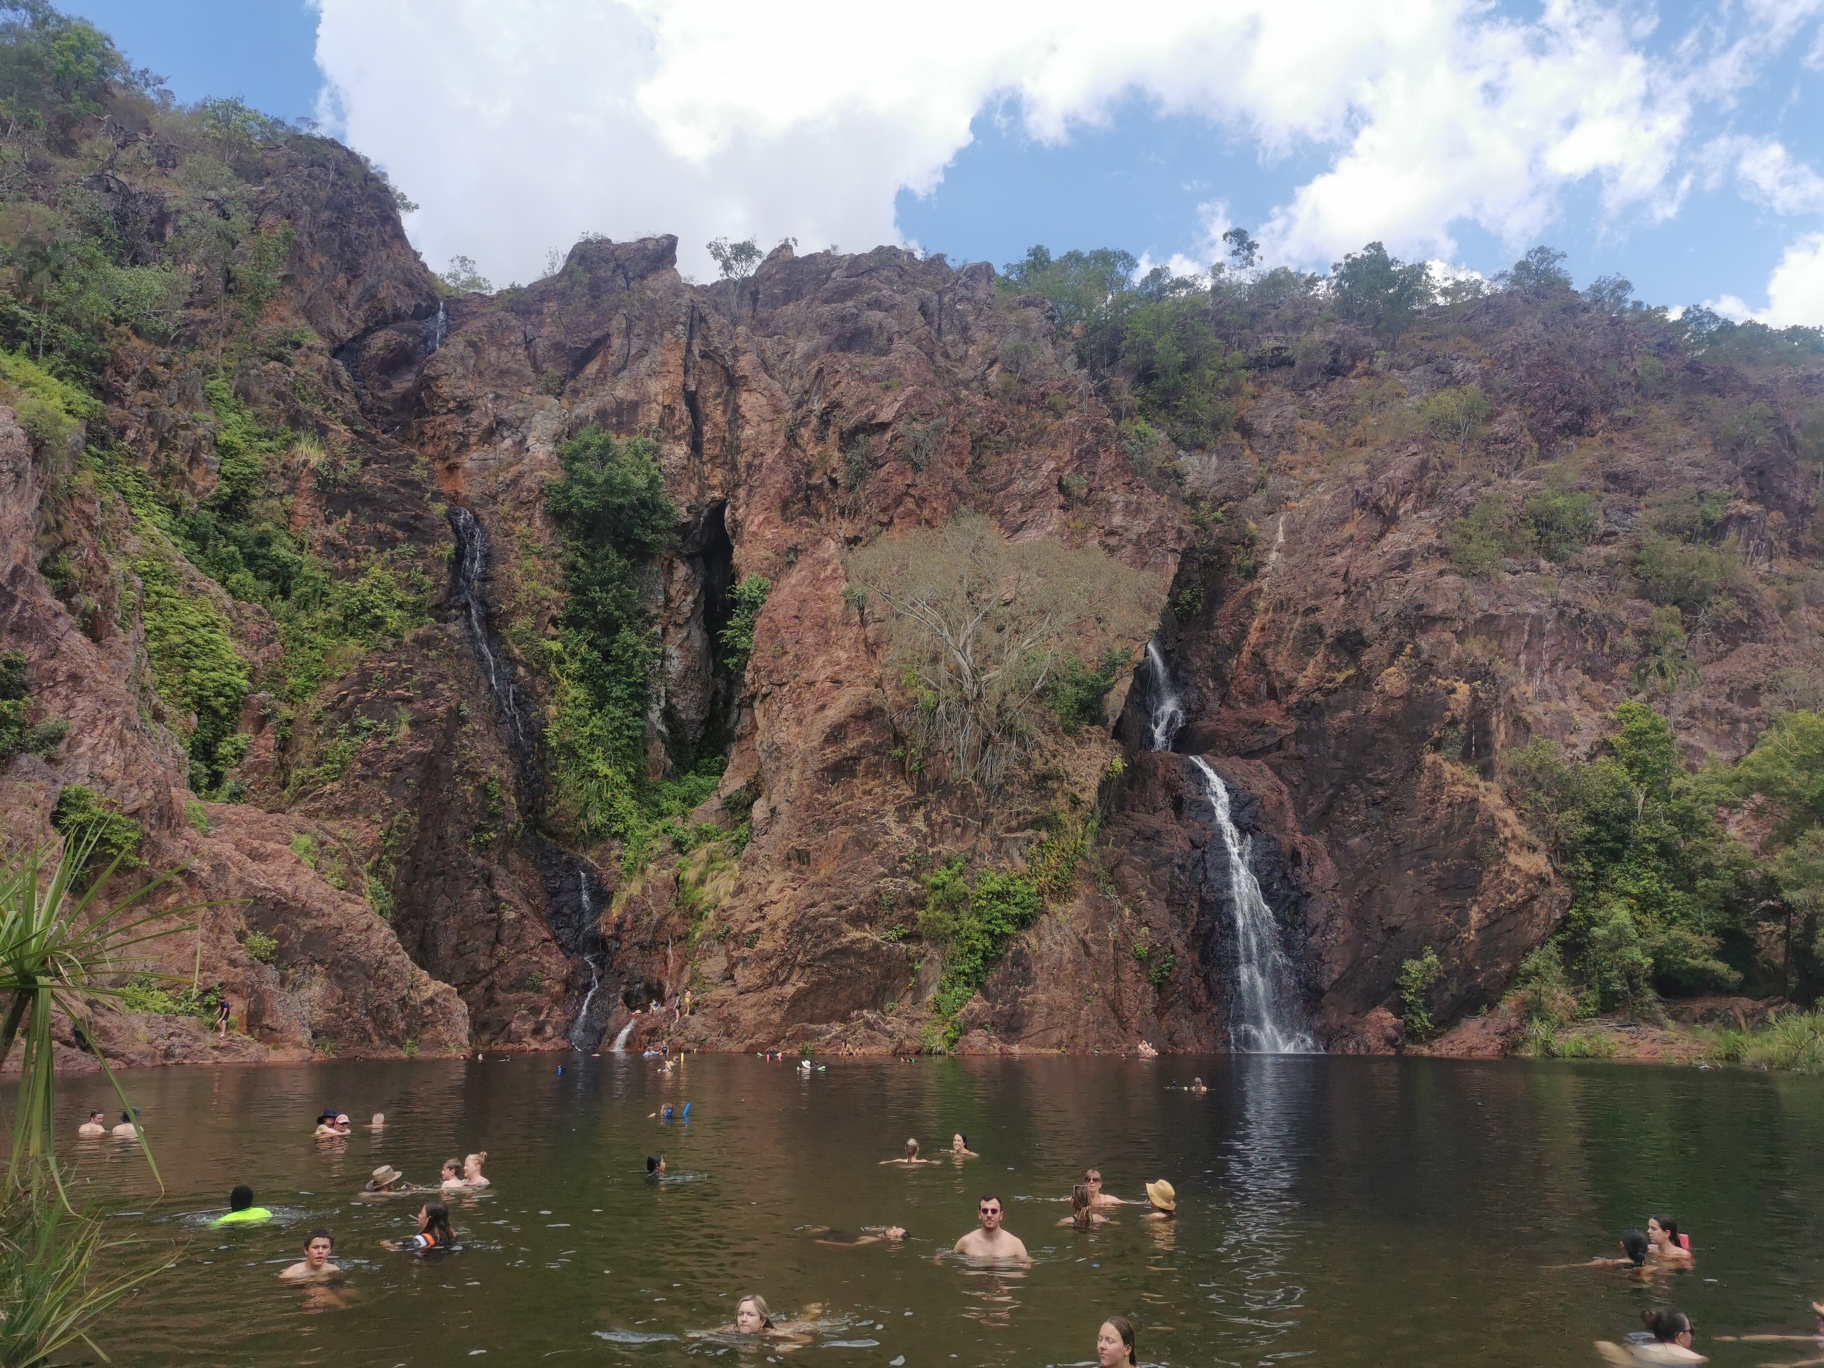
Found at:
<point>1767,173</point>
<point>1795,290</point>
<point>519,126</point>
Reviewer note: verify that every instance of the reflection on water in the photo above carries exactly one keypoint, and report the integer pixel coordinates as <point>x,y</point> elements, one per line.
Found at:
<point>1339,1211</point>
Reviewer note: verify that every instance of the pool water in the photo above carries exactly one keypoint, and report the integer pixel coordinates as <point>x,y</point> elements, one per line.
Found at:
<point>1330,1211</point>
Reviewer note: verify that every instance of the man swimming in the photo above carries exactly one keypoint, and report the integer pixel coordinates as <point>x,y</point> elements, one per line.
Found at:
<point>993,1240</point>
<point>315,1265</point>
<point>241,1210</point>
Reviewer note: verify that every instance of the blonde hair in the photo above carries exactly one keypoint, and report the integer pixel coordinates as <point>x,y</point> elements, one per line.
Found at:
<point>478,1159</point>
<point>758,1302</point>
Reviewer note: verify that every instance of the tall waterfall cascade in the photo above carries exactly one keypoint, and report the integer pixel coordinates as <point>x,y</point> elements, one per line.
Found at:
<point>1262,1019</point>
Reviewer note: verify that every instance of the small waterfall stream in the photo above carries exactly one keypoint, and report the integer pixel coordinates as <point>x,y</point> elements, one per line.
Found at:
<point>436,328</point>
<point>1264,985</point>
<point>471,566</point>
<point>620,1041</point>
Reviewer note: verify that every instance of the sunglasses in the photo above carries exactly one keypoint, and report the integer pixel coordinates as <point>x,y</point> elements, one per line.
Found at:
<point>990,1211</point>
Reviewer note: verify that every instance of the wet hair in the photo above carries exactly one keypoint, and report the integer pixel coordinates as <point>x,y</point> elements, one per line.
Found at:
<point>241,1198</point>
<point>320,1233</point>
<point>478,1158</point>
<point>437,1224</point>
<point>990,1197</point>
<point>1079,1204</point>
<point>963,1138</point>
<point>911,1149</point>
<point>653,1161</point>
<point>1635,1244</point>
<point>96,1115</point>
<point>453,1163</point>
<point>1666,1323</point>
<point>1670,1226</point>
<point>1125,1328</point>
<point>760,1306</point>
<point>125,1119</point>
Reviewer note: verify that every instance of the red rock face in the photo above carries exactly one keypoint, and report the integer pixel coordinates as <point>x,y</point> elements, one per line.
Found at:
<point>1353,689</point>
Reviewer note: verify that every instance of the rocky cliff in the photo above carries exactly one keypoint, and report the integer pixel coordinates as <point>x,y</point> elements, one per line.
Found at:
<point>371,814</point>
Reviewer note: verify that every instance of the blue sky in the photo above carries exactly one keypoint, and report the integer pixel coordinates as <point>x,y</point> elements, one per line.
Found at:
<point>1677,146</point>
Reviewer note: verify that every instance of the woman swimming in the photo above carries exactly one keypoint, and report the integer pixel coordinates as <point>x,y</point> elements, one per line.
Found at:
<point>433,1231</point>
<point>1083,1214</point>
<point>910,1156</point>
<point>1115,1344</point>
<point>959,1147</point>
<point>1667,1246</point>
<point>1163,1200</point>
<point>471,1172</point>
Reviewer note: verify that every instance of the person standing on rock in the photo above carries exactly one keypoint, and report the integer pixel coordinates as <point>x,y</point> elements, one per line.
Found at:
<point>222,1011</point>
<point>993,1240</point>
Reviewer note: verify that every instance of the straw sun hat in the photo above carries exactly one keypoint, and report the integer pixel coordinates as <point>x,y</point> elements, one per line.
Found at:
<point>1160,1194</point>
<point>386,1173</point>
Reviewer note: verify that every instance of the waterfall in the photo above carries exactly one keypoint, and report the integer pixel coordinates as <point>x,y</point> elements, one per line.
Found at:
<point>620,1041</point>
<point>1263,975</point>
<point>471,565</point>
<point>1168,711</point>
<point>436,328</point>
<point>579,1029</point>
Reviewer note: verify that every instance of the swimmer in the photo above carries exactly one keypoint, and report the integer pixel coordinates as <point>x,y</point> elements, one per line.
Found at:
<point>379,1121</point>
<point>127,1129</point>
<point>1815,1337</point>
<point>451,1178</point>
<point>993,1240</point>
<point>386,1182</point>
<point>96,1125</point>
<point>241,1210</point>
<point>1633,1244</point>
<point>471,1172</point>
<point>332,1126</point>
<point>433,1231</point>
<point>910,1157</point>
<point>1083,1214</point>
<point>1671,1331</point>
<point>1197,1086</point>
<point>1162,1199</point>
<point>1115,1344</point>
<point>315,1265</point>
<point>959,1147</point>
<point>838,1239</point>
<point>1092,1179</point>
<point>655,1165</point>
<point>1666,1245</point>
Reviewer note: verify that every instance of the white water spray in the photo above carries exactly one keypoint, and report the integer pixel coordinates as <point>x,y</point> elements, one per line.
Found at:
<point>620,1041</point>
<point>1168,710</point>
<point>1263,976</point>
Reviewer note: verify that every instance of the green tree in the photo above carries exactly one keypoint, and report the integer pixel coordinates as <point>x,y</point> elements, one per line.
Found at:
<point>1539,272</point>
<point>1380,290</point>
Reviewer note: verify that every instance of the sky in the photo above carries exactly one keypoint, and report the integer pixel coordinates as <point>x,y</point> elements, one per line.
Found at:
<point>1678,145</point>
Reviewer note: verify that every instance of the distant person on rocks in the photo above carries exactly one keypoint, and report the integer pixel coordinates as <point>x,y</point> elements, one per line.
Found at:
<point>959,1147</point>
<point>1092,1179</point>
<point>1163,1201</point>
<point>433,1231</point>
<point>993,1240</point>
<point>1667,1245</point>
<point>127,1129</point>
<point>315,1265</point>
<point>471,1172</point>
<point>95,1126</point>
<point>222,1011</point>
<point>910,1156</point>
<point>1115,1344</point>
<point>1083,1214</point>
<point>241,1210</point>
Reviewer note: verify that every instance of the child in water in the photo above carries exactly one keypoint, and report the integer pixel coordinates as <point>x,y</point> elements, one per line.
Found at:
<point>433,1231</point>
<point>315,1265</point>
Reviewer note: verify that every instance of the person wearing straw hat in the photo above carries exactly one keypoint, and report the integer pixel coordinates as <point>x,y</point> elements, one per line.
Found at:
<point>386,1181</point>
<point>1164,1201</point>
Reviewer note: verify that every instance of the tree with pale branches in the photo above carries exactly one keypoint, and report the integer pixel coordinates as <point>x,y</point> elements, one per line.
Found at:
<point>980,626</point>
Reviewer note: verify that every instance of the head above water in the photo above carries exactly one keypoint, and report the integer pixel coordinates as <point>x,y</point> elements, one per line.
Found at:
<point>97,1117</point>
<point>1079,1199</point>
<point>319,1245</point>
<point>241,1198</point>
<point>911,1149</point>
<point>989,1211</point>
<point>1663,1230</point>
<point>471,1166</point>
<point>1115,1344</point>
<point>1668,1325</point>
<point>752,1315</point>
<point>434,1220</point>
<point>1635,1245</point>
<point>379,1119</point>
<point>1093,1178</point>
<point>655,1163</point>
<point>959,1141</point>
<point>452,1168</point>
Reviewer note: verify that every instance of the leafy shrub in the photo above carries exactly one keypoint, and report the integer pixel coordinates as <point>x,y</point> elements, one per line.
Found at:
<point>737,637</point>
<point>1792,1040</point>
<point>18,735</point>
<point>1456,415</point>
<point>195,667</point>
<point>1563,521</point>
<point>1159,972</point>
<point>1415,979</point>
<point>1487,535</point>
<point>1545,992</point>
<point>1685,575</point>
<point>81,813</point>
<point>1076,693</point>
<point>261,947</point>
<point>146,994</point>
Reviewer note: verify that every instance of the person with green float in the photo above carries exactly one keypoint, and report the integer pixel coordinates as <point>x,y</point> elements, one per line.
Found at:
<point>241,1210</point>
